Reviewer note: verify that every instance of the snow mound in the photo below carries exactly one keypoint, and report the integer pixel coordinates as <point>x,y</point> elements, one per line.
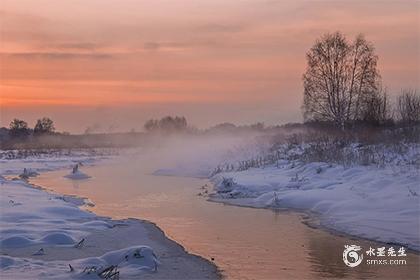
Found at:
<point>78,175</point>
<point>123,263</point>
<point>19,241</point>
<point>97,224</point>
<point>6,261</point>
<point>375,203</point>
<point>58,239</point>
<point>27,173</point>
<point>130,259</point>
<point>16,241</point>
<point>32,217</point>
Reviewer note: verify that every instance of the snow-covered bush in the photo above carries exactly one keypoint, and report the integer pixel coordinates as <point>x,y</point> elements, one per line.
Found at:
<point>365,147</point>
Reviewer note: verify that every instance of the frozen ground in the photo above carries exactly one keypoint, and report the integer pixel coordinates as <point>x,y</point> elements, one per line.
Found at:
<point>47,236</point>
<point>381,204</point>
<point>13,162</point>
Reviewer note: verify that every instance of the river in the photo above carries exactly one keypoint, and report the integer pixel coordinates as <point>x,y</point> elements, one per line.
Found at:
<point>245,243</point>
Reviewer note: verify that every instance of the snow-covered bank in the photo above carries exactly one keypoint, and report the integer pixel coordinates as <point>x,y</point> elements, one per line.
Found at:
<point>50,161</point>
<point>47,236</point>
<point>381,204</point>
<point>367,190</point>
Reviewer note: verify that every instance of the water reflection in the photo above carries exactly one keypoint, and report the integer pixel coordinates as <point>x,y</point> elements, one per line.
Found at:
<point>329,264</point>
<point>75,184</point>
<point>245,243</point>
<point>325,255</point>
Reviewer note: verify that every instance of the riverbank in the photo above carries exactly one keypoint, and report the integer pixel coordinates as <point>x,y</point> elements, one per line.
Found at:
<point>45,235</point>
<point>380,204</point>
<point>276,244</point>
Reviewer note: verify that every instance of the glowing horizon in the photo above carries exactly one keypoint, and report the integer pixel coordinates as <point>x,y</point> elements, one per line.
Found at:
<point>89,62</point>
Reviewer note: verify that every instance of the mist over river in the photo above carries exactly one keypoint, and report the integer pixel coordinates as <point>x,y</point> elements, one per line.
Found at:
<point>245,243</point>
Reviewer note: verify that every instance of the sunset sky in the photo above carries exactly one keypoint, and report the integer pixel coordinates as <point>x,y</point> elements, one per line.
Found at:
<point>113,64</point>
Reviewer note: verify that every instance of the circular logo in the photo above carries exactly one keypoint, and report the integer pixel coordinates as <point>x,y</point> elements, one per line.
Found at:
<point>351,255</point>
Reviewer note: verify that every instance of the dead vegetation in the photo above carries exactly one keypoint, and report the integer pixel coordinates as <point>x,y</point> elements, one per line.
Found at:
<point>363,146</point>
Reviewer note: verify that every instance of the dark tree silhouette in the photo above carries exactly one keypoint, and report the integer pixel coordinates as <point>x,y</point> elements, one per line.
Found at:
<point>408,106</point>
<point>44,126</point>
<point>151,125</point>
<point>340,78</point>
<point>173,124</point>
<point>376,109</point>
<point>18,129</point>
<point>167,124</point>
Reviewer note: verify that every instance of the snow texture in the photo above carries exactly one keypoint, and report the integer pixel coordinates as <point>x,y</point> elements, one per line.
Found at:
<point>45,235</point>
<point>381,204</point>
<point>32,218</point>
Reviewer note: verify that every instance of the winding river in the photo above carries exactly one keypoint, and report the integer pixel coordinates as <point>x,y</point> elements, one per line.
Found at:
<point>245,243</point>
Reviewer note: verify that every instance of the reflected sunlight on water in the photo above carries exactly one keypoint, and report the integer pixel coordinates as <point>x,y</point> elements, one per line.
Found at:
<point>245,243</point>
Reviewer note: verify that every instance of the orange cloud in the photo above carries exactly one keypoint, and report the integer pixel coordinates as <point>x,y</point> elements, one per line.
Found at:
<point>244,55</point>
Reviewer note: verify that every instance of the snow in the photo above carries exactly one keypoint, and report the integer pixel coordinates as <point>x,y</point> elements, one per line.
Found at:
<point>126,262</point>
<point>377,203</point>
<point>47,236</point>
<point>32,217</point>
<point>381,204</point>
<point>27,173</point>
<point>78,175</point>
<point>47,162</point>
<point>369,191</point>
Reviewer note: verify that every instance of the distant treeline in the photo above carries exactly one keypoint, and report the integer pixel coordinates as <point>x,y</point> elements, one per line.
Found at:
<point>43,135</point>
<point>167,124</point>
<point>64,140</point>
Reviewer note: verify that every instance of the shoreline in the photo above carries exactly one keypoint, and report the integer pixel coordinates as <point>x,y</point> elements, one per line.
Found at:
<point>312,220</point>
<point>175,262</point>
<point>357,201</point>
<point>158,238</point>
<point>152,227</point>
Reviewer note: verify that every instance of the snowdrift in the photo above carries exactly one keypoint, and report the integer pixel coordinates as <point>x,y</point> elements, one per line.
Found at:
<point>381,204</point>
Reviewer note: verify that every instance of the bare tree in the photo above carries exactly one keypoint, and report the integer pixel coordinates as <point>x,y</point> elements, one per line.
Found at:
<point>408,106</point>
<point>19,129</point>
<point>151,125</point>
<point>340,77</point>
<point>167,124</point>
<point>44,126</point>
<point>376,109</point>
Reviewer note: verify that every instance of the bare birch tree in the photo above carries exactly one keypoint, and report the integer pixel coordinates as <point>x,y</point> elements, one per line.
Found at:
<point>340,78</point>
